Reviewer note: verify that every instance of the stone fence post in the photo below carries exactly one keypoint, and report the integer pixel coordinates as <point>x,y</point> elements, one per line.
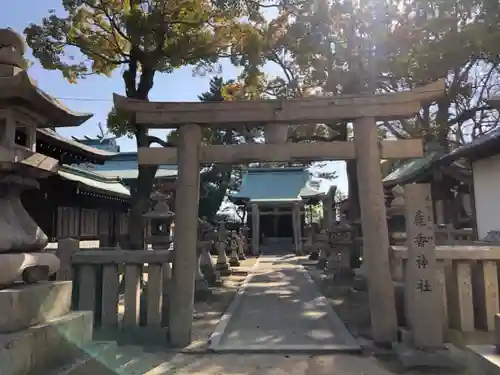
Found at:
<point>66,247</point>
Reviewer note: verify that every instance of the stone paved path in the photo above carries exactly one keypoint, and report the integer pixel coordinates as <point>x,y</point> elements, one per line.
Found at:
<point>280,309</point>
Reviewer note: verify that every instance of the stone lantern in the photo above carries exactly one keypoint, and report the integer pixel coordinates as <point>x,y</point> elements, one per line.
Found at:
<point>161,220</point>
<point>234,246</point>
<point>23,109</point>
<point>222,265</point>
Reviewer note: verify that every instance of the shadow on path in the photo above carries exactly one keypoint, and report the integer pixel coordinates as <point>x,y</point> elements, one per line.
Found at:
<point>281,309</point>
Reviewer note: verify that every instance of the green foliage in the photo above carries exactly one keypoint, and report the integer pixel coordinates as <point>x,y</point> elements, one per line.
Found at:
<point>159,35</point>
<point>142,37</point>
<point>217,179</point>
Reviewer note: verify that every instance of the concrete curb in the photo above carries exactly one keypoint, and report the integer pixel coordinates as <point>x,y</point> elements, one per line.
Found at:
<point>216,336</point>
<point>291,349</point>
<point>338,324</point>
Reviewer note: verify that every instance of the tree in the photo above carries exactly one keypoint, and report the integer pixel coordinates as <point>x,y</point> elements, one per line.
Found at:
<point>341,47</point>
<point>217,179</point>
<point>142,37</point>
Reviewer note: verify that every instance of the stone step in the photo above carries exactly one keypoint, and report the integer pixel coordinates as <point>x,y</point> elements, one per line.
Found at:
<point>107,358</point>
<point>44,347</point>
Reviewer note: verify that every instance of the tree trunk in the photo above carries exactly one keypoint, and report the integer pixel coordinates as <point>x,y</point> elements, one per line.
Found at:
<point>140,205</point>
<point>352,179</point>
<point>140,198</point>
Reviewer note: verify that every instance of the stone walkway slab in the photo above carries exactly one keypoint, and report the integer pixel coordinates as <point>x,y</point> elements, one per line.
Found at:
<point>280,309</point>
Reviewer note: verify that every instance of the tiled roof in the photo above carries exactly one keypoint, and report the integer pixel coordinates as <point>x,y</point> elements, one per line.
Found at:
<point>124,166</point>
<point>411,169</point>
<point>53,137</point>
<point>275,184</point>
<point>94,181</point>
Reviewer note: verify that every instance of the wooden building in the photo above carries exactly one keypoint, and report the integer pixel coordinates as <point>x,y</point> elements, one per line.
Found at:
<point>450,184</point>
<point>483,156</point>
<point>123,166</point>
<point>75,202</point>
<point>275,191</point>
<point>450,187</point>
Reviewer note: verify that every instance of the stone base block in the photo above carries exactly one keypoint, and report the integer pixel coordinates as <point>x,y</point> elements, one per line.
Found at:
<point>210,274</point>
<point>444,358</point>
<point>234,262</point>
<point>482,359</point>
<point>24,305</point>
<point>46,346</point>
<point>223,269</point>
<point>201,290</point>
<point>242,257</point>
<point>98,359</point>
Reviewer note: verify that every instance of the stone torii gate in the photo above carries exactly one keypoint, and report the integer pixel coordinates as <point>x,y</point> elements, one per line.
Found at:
<point>362,110</point>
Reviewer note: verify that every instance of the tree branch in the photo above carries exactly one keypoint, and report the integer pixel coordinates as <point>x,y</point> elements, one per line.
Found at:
<point>152,139</point>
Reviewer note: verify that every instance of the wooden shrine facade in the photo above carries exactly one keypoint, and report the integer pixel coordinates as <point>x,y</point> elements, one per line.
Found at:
<point>74,202</point>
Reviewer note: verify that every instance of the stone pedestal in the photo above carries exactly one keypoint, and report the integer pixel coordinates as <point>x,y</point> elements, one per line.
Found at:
<point>241,248</point>
<point>26,305</point>
<point>321,247</point>
<point>38,333</point>
<point>234,259</point>
<point>339,263</point>
<point>222,266</point>
<point>201,288</point>
<point>234,245</point>
<point>207,267</point>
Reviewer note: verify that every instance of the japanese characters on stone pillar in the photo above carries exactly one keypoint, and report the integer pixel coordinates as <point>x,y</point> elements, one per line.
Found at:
<point>423,302</point>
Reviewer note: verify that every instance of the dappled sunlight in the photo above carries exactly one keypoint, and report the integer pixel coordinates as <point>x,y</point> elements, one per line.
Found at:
<point>282,308</point>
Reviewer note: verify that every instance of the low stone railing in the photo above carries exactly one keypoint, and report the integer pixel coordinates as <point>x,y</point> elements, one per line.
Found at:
<point>443,235</point>
<point>448,235</point>
<point>109,284</point>
<point>468,280</point>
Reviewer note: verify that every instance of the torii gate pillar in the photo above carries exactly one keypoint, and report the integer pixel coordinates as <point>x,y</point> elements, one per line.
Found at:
<point>186,236</point>
<point>375,234</point>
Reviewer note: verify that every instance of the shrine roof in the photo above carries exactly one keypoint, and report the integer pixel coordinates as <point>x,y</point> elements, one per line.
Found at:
<point>411,169</point>
<point>481,147</point>
<point>22,91</point>
<point>103,143</point>
<point>124,165</point>
<point>421,168</point>
<point>70,146</point>
<point>275,185</point>
<point>94,181</point>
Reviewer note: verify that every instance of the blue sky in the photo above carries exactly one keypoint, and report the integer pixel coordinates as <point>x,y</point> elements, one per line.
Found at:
<point>94,94</point>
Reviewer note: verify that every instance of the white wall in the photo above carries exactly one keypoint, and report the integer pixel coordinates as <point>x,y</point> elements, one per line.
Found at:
<point>487,194</point>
